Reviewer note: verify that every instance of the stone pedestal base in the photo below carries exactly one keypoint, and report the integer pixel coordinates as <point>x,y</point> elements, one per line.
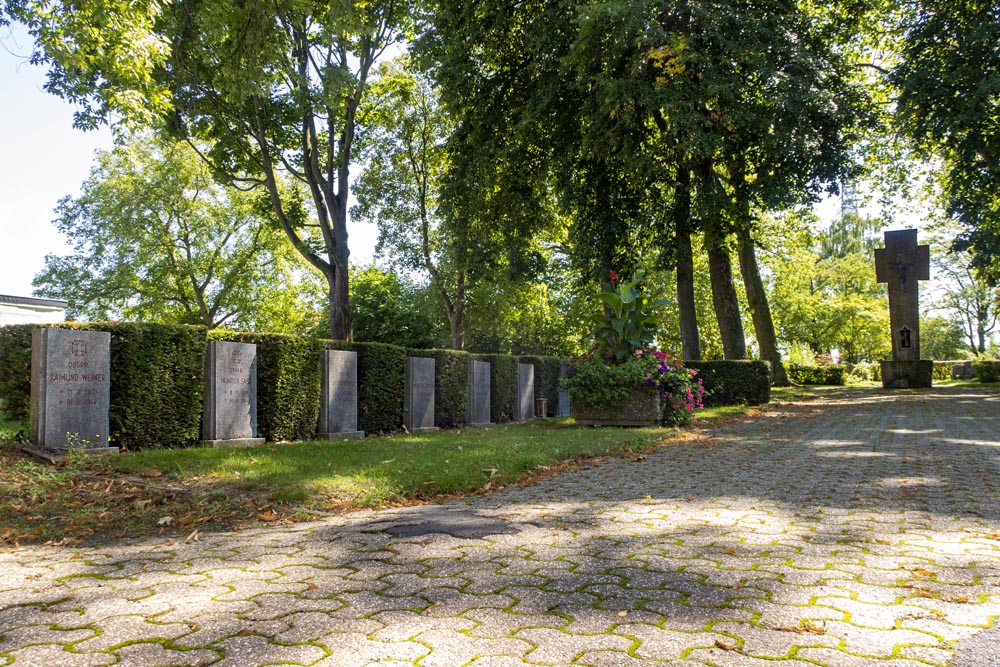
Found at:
<point>907,374</point>
<point>238,442</point>
<point>341,435</point>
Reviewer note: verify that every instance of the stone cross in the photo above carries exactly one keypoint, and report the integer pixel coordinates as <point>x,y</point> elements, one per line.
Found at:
<point>901,264</point>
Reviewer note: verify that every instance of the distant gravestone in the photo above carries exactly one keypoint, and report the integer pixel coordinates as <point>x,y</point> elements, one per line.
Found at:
<point>338,413</point>
<point>525,392</point>
<point>479,394</point>
<point>230,417</point>
<point>70,389</point>
<point>901,265</point>
<point>418,396</point>
<point>562,408</point>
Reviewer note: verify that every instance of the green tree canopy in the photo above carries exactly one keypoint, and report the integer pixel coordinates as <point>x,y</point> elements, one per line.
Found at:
<point>155,238</point>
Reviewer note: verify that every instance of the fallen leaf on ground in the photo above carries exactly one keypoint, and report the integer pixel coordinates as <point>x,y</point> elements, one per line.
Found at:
<point>921,572</point>
<point>165,521</point>
<point>193,537</point>
<point>150,472</point>
<point>724,646</point>
<point>270,515</point>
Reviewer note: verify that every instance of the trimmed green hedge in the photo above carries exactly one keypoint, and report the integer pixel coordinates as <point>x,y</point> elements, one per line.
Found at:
<point>815,374</point>
<point>546,380</point>
<point>288,383</point>
<point>15,371</point>
<point>157,380</point>
<point>986,371</point>
<point>503,386</point>
<point>381,369</point>
<point>451,385</point>
<point>734,382</point>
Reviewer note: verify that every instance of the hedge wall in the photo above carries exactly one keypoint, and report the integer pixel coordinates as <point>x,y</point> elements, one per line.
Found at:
<point>157,378</point>
<point>817,374</point>
<point>546,380</point>
<point>451,385</point>
<point>380,384</point>
<point>288,383</point>
<point>734,382</point>
<point>986,371</point>
<point>503,386</point>
<point>15,371</point>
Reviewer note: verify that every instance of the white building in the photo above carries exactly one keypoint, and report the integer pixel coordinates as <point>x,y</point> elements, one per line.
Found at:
<point>29,310</point>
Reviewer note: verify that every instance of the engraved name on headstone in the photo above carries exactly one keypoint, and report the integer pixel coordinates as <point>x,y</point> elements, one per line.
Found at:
<point>70,389</point>
<point>479,394</point>
<point>338,412</point>
<point>418,396</point>
<point>230,416</point>
<point>525,392</point>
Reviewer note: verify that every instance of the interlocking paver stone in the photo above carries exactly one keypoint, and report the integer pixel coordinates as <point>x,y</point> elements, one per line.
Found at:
<point>855,530</point>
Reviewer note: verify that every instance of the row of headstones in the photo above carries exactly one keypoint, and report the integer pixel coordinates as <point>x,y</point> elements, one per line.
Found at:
<point>71,387</point>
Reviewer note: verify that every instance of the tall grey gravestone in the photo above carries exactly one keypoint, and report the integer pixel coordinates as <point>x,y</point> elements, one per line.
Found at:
<point>230,417</point>
<point>901,265</point>
<point>562,409</point>
<point>418,394</point>
<point>338,412</point>
<point>70,389</point>
<point>525,392</point>
<point>479,394</point>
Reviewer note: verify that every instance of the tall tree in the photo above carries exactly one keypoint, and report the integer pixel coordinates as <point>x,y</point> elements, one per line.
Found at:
<point>155,238</point>
<point>405,158</point>
<point>276,88</point>
<point>948,76</point>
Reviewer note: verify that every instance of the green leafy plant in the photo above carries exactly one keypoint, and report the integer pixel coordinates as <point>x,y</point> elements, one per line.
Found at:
<point>626,322</point>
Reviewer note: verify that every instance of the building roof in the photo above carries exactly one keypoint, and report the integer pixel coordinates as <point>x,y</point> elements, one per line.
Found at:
<point>31,301</point>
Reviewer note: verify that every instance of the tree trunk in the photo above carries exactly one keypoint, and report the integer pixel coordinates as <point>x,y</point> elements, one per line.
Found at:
<point>727,307</point>
<point>763,325</point>
<point>690,340</point>
<point>340,305</point>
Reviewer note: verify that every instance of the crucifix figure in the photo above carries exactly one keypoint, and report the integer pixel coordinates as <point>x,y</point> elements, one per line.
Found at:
<point>901,264</point>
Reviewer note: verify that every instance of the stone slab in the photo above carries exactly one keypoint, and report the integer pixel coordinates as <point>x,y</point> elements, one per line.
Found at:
<point>70,388</point>
<point>562,407</point>
<point>338,415</point>
<point>479,393</point>
<point>907,374</point>
<point>525,392</point>
<point>230,417</point>
<point>418,397</point>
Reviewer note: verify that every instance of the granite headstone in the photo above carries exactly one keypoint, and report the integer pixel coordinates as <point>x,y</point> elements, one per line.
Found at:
<point>70,389</point>
<point>338,414</point>
<point>479,394</point>
<point>418,395</point>
<point>525,392</point>
<point>562,408</point>
<point>230,417</point>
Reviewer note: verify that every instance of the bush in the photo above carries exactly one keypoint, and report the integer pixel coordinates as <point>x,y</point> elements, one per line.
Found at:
<point>381,369</point>
<point>546,380</point>
<point>986,371</point>
<point>288,383</point>
<point>15,371</point>
<point>733,382</point>
<point>832,374</point>
<point>451,385</point>
<point>503,386</point>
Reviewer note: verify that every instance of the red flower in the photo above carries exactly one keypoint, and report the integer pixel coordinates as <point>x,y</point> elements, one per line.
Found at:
<point>614,277</point>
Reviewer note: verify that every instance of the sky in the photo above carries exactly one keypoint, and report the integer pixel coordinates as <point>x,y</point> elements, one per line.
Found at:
<point>46,159</point>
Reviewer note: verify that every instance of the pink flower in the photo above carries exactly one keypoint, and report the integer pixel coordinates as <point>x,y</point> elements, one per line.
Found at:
<point>614,277</point>
<point>638,353</point>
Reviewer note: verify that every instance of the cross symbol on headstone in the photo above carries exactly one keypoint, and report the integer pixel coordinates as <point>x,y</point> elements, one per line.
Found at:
<point>901,264</point>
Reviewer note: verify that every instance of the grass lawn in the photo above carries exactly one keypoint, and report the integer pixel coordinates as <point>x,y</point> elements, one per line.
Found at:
<point>181,491</point>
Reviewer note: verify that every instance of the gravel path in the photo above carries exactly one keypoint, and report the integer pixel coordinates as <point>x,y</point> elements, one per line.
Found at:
<point>863,529</point>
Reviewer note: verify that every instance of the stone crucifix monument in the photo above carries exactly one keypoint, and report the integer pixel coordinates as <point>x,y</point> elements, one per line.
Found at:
<point>902,264</point>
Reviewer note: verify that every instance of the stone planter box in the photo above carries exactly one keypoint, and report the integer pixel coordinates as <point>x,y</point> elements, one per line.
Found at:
<point>642,409</point>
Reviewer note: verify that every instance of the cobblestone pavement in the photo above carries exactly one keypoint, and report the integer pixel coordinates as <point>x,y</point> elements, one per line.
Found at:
<point>859,530</point>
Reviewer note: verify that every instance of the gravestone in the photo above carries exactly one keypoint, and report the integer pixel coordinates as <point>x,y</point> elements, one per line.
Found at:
<point>230,417</point>
<point>901,265</point>
<point>562,408</point>
<point>418,396</point>
<point>525,392</point>
<point>479,394</point>
<point>70,389</point>
<point>338,412</point>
